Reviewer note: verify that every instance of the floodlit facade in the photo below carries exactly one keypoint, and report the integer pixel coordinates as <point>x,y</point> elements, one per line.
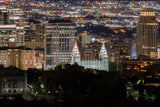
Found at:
<point>59,42</point>
<point>100,64</point>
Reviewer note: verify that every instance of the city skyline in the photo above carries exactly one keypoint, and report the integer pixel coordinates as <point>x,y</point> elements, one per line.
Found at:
<point>80,53</point>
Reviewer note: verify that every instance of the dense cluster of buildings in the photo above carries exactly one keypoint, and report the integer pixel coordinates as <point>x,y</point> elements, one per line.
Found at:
<point>13,51</point>
<point>32,35</point>
<point>45,44</point>
<point>42,46</point>
<point>147,45</point>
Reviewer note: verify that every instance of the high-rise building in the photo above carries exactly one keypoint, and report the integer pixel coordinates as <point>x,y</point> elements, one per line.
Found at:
<point>59,42</point>
<point>147,34</point>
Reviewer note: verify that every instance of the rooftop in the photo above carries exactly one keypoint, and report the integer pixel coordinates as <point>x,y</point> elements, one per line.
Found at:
<point>67,21</point>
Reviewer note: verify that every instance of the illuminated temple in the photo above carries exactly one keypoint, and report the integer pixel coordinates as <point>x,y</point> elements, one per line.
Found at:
<point>100,64</point>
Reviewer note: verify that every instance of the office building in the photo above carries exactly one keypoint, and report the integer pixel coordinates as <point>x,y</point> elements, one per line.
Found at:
<point>147,34</point>
<point>59,42</point>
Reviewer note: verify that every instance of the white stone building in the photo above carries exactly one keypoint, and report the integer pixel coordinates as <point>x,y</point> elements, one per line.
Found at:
<point>100,64</point>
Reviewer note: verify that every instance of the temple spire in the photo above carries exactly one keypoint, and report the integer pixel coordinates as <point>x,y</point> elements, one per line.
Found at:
<point>75,51</point>
<point>103,51</point>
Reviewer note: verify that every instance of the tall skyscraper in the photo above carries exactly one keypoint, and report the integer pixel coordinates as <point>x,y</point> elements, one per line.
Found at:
<point>147,34</point>
<point>59,42</point>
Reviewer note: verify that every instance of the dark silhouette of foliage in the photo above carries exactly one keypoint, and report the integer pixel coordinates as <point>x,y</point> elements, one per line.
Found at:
<point>75,85</point>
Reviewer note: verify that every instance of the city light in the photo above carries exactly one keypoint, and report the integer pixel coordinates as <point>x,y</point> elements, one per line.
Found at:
<point>94,53</point>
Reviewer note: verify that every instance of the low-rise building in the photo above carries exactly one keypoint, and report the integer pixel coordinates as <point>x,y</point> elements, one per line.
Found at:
<point>141,64</point>
<point>12,82</point>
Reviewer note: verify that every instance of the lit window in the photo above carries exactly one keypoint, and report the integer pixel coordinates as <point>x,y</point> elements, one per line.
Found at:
<point>14,85</point>
<point>4,80</point>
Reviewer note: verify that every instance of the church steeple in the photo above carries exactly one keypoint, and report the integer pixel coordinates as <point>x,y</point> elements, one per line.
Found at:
<point>104,56</point>
<point>75,53</point>
<point>103,51</point>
